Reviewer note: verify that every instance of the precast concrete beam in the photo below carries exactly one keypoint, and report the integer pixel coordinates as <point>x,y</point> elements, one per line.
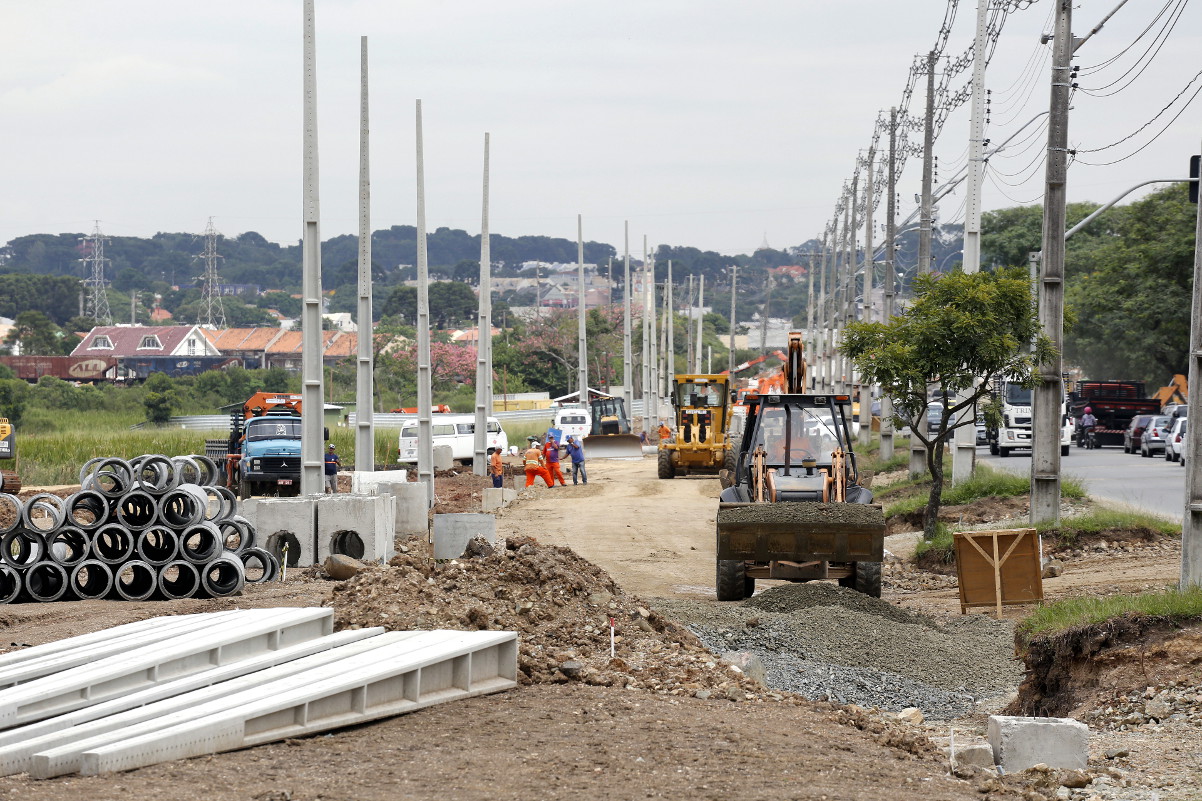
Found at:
<point>248,633</point>
<point>367,482</point>
<point>61,646</point>
<point>58,752</point>
<point>359,526</point>
<point>429,668</point>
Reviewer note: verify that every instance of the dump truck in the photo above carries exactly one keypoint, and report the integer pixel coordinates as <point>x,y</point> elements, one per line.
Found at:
<point>263,452</point>
<point>611,437</point>
<point>795,509</point>
<point>1114,404</point>
<point>701,443</point>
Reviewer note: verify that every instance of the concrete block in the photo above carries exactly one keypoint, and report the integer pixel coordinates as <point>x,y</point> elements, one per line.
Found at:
<point>358,526</point>
<point>280,521</point>
<point>977,754</point>
<point>1019,743</point>
<point>496,498</point>
<point>452,532</point>
<point>443,460</point>
<point>412,512</point>
<point>367,482</point>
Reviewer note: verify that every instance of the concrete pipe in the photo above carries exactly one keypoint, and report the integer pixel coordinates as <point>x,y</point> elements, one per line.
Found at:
<point>134,581</point>
<point>188,470</point>
<point>154,473</point>
<point>90,580</point>
<point>10,583</point>
<point>259,566</point>
<point>43,513</point>
<point>10,512</point>
<point>46,581</point>
<point>69,546</point>
<point>212,473</point>
<point>201,543</point>
<point>236,535</point>
<point>112,478</point>
<point>22,548</point>
<point>178,580</point>
<point>223,504</point>
<point>183,507</point>
<point>223,577</point>
<point>86,509</point>
<point>112,544</point>
<point>138,510</point>
<point>157,545</point>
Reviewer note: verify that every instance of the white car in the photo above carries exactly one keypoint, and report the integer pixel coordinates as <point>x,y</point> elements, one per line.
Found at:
<point>573,422</point>
<point>456,430</point>
<point>1174,441</point>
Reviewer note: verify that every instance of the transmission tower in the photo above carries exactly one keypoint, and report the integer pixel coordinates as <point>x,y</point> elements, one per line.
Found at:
<point>212,313</point>
<point>97,306</point>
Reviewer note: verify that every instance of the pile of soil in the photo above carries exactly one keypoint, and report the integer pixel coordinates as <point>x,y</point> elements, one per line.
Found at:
<point>1089,669</point>
<point>559,603</point>
<point>982,510</point>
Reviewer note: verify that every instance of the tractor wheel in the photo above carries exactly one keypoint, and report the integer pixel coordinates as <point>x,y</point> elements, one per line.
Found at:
<point>729,462</point>
<point>732,582</point>
<point>868,578</point>
<point>666,468</point>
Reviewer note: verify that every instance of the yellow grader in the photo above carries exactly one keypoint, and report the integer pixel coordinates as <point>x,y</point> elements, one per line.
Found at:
<point>701,443</point>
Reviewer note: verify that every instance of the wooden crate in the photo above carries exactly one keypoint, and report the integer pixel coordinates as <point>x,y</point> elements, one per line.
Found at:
<point>1000,567</point>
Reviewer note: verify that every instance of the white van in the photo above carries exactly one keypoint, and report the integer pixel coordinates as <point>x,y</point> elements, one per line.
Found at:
<point>573,422</point>
<point>456,430</point>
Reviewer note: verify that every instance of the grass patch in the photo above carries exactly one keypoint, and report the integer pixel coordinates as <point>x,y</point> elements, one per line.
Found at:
<point>1171,605</point>
<point>941,547</point>
<point>1097,521</point>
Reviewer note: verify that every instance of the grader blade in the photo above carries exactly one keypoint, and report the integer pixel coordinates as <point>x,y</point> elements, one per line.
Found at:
<point>801,532</point>
<point>613,446</point>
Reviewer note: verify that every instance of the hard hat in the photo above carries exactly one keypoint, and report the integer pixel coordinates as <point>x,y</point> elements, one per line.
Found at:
<point>331,446</point>
<point>1088,410</point>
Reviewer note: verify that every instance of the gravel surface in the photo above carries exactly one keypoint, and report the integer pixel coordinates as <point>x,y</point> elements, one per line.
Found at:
<point>830,643</point>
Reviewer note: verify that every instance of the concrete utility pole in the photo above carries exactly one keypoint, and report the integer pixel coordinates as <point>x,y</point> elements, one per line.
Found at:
<point>700,318</point>
<point>865,389</point>
<point>689,358</point>
<point>918,452</point>
<point>365,434</point>
<point>312,378</point>
<point>766,313</point>
<point>648,386</point>
<point>810,334</point>
<point>627,360</point>
<point>823,373</point>
<point>1049,392</point>
<point>849,305</point>
<point>1191,526</point>
<point>965,453</point>
<point>734,287</point>
<point>841,292</point>
<point>670,300</point>
<point>581,314</point>
<point>890,278</point>
<point>425,399</point>
<point>483,336</point>
<point>653,325</point>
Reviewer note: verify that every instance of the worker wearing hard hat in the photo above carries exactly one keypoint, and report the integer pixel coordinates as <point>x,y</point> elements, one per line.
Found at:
<point>551,455</point>
<point>532,460</point>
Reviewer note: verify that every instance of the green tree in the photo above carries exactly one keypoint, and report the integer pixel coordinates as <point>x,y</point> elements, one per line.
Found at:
<point>959,334</point>
<point>13,393</point>
<point>160,398</point>
<point>36,333</point>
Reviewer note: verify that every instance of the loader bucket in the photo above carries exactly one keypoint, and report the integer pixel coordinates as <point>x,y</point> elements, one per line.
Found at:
<point>801,532</point>
<point>613,446</point>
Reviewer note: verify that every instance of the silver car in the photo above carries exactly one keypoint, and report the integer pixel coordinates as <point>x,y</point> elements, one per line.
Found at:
<point>1151,442</point>
<point>1175,440</point>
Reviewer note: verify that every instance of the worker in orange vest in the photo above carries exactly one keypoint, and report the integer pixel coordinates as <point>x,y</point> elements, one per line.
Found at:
<point>551,457</point>
<point>533,462</point>
<point>665,433</point>
<point>496,467</point>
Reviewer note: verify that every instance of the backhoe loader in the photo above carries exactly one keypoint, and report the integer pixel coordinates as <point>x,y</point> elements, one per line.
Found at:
<point>795,509</point>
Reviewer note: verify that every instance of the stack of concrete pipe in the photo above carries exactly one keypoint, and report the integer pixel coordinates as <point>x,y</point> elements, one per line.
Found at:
<point>154,527</point>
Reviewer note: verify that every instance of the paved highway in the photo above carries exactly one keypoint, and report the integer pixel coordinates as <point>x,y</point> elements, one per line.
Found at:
<point>1153,485</point>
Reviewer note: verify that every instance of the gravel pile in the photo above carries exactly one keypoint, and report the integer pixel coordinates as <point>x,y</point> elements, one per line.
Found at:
<point>1180,704</point>
<point>830,643</point>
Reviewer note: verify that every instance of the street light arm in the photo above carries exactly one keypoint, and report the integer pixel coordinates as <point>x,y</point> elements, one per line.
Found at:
<point>1101,209</point>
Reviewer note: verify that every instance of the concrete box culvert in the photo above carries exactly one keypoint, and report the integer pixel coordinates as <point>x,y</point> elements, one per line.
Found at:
<point>275,546</point>
<point>137,510</point>
<point>69,546</point>
<point>178,580</point>
<point>134,581</point>
<point>45,582</point>
<point>22,548</point>
<point>10,584</point>
<point>157,545</point>
<point>112,544</point>
<point>200,543</point>
<point>90,580</point>
<point>43,513</point>
<point>223,577</point>
<point>86,509</point>
<point>259,566</point>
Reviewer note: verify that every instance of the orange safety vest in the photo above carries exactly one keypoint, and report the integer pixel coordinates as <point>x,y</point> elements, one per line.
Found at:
<point>496,463</point>
<point>534,459</point>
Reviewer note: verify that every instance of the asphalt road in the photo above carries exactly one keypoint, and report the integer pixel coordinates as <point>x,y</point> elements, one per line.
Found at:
<point>1153,485</point>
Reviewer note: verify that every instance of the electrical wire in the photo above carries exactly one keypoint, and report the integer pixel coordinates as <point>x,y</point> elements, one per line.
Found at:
<point>1005,194</point>
<point>1103,65</point>
<point>1147,57</point>
<point>1155,117</point>
<point>1145,125</point>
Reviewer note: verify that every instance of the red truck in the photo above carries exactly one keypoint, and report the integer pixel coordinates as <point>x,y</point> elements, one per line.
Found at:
<point>1114,404</point>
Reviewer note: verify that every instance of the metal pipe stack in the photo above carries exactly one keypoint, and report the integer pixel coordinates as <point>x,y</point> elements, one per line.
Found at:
<point>154,527</point>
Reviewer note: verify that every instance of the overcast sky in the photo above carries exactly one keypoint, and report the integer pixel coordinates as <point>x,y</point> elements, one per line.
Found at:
<point>704,123</point>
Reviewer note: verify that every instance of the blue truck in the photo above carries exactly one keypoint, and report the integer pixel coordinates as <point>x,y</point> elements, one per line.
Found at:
<point>263,455</point>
